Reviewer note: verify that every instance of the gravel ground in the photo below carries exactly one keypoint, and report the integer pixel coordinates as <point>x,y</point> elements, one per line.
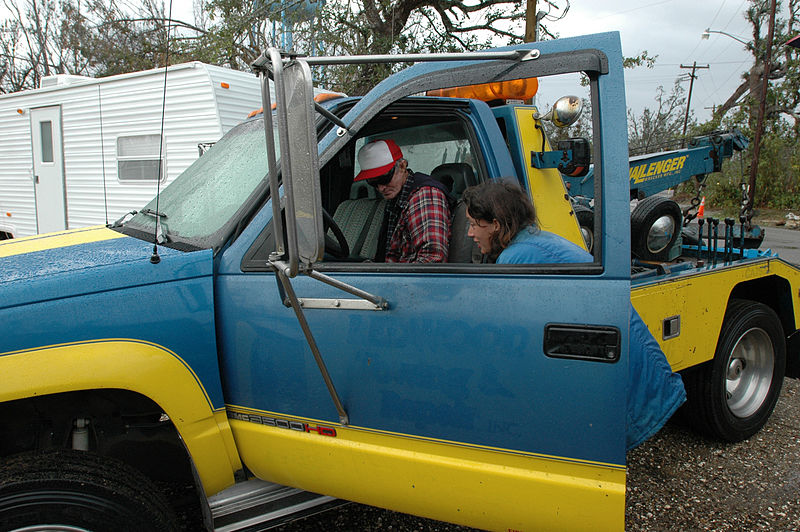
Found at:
<point>676,481</point>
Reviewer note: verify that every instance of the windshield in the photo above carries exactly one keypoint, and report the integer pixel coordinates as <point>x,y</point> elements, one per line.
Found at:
<point>199,207</point>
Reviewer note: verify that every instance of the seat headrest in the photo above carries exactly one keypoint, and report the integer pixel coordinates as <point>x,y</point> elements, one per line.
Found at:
<point>361,190</point>
<point>458,176</point>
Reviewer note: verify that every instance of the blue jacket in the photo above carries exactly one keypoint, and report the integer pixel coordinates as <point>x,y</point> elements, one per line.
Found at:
<point>654,391</point>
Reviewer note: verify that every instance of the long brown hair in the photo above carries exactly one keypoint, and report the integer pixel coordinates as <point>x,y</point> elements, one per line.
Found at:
<point>505,202</point>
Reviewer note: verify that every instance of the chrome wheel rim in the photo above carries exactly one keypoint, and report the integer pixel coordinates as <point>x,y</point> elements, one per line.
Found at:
<point>588,237</point>
<point>660,234</point>
<point>749,372</point>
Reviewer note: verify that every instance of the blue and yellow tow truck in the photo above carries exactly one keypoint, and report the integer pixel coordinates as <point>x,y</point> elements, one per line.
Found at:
<point>239,326</point>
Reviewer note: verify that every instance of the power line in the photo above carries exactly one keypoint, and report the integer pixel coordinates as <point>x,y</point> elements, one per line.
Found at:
<point>634,9</point>
<point>718,12</point>
<point>738,11</point>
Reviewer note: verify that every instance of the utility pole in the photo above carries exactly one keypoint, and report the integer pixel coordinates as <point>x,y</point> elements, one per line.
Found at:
<point>531,22</point>
<point>692,77</point>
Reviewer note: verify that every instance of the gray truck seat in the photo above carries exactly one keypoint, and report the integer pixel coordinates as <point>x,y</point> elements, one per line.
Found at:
<point>462,248</point>
<point>360,221</point>
<point>461,175</point>
<point>458,176</point>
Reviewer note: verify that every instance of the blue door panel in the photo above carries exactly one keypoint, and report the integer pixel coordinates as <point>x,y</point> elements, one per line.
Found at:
<point>456,357</point>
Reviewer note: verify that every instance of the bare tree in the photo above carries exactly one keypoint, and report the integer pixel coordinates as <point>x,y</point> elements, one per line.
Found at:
<point>660,128</point>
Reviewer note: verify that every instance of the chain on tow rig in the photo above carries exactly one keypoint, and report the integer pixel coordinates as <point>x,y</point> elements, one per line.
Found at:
<point>688,215</point>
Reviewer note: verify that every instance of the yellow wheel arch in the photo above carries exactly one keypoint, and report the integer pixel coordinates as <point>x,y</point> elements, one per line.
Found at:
<point>142,367</point>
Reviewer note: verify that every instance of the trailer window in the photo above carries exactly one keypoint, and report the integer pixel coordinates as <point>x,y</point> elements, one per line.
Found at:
<point>46,128</point>
<point>138,158</point>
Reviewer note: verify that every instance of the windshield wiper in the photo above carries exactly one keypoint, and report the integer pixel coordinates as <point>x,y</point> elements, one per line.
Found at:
<point>151,212</point>
<point>121,219</point>
<point>161,236</point>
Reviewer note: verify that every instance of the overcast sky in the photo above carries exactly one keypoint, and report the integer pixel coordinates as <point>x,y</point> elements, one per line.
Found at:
<point>670,29</point>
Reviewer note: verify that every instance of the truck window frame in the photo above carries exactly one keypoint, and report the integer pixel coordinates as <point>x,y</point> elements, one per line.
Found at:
<point>254,259</point>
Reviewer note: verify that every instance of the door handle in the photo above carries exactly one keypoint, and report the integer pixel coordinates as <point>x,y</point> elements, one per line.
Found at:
<point>599,343</point>
<point>36,179</point>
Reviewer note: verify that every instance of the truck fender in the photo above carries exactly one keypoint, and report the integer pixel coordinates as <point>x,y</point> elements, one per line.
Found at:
<point>142,367</point>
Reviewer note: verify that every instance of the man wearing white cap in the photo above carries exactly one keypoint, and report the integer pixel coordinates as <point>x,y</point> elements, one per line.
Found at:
<point>418,214</point>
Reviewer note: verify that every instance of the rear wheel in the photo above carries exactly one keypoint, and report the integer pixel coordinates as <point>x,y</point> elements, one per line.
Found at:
<point>73,490</point>
<point>732,397</point>
<point>655,226</point>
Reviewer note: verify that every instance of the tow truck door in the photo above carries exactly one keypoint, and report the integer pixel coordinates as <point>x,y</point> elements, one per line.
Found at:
<point>486,395</point>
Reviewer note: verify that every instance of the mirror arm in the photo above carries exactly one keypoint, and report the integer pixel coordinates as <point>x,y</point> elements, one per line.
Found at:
<point>272,165</point>
<point>280,268</point>
<point>332,117</point>
<point>283,136</point>
<point>378,301</point>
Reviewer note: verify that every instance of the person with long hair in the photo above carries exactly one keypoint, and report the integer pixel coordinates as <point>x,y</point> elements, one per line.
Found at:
<point>502,221</point>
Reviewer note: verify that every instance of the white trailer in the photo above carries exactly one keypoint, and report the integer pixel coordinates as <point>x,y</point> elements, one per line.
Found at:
<point>83,151</point>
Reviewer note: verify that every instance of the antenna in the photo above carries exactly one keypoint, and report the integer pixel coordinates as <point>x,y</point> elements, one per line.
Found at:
<point>155,258</point>
<point>102,151</point>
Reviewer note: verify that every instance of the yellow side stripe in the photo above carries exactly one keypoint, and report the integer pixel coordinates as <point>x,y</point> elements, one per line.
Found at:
<point>422,439</point>
<point>60,239</point>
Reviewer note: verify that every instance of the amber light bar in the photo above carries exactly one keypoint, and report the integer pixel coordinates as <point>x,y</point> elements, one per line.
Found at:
<point>518,89</point>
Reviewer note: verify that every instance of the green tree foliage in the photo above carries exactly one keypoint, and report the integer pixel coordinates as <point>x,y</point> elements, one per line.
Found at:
<point>241,29</point>
<point>101,37</point>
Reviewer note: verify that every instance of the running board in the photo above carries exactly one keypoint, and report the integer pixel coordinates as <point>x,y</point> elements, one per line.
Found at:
<point>258,505</point>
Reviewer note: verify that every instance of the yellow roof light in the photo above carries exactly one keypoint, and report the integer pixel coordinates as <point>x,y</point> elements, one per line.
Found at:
<point>517,89</point>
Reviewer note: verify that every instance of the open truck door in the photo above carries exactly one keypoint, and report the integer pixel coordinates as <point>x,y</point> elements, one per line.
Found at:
<point>481,394</point>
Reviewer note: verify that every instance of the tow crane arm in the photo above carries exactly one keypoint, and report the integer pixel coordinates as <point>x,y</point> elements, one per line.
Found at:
<point>655,172</point>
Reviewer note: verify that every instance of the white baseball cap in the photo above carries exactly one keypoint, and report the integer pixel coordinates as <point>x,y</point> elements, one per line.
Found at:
<point>377,158</point>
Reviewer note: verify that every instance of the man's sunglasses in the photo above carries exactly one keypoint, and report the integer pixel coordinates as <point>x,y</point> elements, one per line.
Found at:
<point>381,179</point>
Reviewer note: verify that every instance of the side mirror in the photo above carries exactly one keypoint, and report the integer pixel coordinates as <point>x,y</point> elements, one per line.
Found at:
<point>303,163</point>
<point>297,139</point>
<point>578,164</point>
<point>565,112</point>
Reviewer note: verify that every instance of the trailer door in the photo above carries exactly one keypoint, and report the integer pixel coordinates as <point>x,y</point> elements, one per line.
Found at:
<point>48,169</point>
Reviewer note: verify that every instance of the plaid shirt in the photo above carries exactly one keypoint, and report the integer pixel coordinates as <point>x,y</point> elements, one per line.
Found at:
<point>419,225</point>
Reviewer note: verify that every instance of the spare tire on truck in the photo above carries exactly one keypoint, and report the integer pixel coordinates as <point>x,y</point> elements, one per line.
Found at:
<point>655,226</point>
<point>585,217</point>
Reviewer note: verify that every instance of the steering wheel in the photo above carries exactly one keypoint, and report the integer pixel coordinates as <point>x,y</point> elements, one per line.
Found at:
<point>337,247</point>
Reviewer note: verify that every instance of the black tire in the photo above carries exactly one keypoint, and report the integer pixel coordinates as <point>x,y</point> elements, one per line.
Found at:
<point>655,226</point>
<point>585,217</point>
<point>79,489</point>
<point>731,397</point>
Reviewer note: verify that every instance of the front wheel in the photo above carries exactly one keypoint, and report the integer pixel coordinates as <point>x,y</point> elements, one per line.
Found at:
<point>732,397</point>
<point>74,490</point>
